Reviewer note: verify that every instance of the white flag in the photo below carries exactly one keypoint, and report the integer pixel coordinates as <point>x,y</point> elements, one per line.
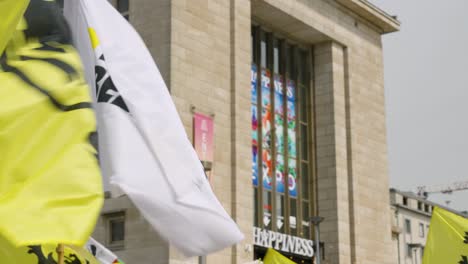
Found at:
<point>143,147</point>
<point>101,253</point>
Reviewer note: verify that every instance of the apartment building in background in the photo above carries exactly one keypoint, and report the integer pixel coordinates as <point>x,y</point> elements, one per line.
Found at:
<point>411,217</point>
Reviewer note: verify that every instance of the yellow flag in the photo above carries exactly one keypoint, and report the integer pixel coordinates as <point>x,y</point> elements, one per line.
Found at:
<point>44,254</point>
<point>50,182</point>
<point>274,257</point>
<point>10,13</point>
<point>447,241</point>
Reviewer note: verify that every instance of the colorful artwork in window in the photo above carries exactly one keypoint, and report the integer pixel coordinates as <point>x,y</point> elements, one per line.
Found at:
<point>266,79</point>
<point>291,95</point>
<point>266,128</point>
<point>280,173</point>
<point>291,108</point>
<point>266,110</point>
<point>254,125</point>
<point>292,178</point>
<point>279,126</point>
<point>279,95</point>
<point>255,165</point>
<point>267,169</point>
<point>279,113</point>
<point>253,83</point>
<point>292,138</point>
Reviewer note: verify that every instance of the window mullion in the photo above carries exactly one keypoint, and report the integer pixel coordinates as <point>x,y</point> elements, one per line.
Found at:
<point>272,151</point>
<point>260,203</point>
<point>283,71</point>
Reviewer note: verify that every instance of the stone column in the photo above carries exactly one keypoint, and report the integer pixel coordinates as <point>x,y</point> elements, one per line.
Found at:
<point>331,152</point>
<point>241,149</point>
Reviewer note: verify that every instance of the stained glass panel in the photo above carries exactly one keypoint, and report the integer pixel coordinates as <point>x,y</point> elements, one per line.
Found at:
<point>254,125</point>
<point>255,165</point>
<point>266,128</point>
<point>291,108</point>
<point>291,95</point>
<point>279,126</point>
<point>253,83</point>
<point>279,95</point>
<point>292,178</point>
<point>266,110</point>
<point>279,113</point>
<point>292,138</point>
<point>280,173</point>
<point>267,169</point>
<point>266,85</point>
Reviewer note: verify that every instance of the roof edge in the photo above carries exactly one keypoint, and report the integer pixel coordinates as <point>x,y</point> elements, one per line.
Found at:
<point>373,14</point>
<point>421,199</point>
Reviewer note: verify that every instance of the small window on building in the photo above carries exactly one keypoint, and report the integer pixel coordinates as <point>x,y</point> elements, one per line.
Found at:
<point>123,6</point>
<point>421,230</point>
<point>420,205</point>
<point>405,201</point>
<point>115,230</point>
<point>408,226</point>
<point>409,251</point>
<point>426,208</point>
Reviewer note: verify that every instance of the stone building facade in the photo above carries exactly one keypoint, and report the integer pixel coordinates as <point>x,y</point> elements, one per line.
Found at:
<point>328,139</point>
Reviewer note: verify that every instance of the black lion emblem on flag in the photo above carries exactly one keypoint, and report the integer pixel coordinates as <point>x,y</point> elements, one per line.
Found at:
<point>42,259</point>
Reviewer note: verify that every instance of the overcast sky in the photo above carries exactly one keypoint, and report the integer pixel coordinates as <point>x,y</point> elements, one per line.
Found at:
<point>426,86</point>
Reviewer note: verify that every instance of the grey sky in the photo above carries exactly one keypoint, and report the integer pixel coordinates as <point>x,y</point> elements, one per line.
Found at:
<point>426,77</point>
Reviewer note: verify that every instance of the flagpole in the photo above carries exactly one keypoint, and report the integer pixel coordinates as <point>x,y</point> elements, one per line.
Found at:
<point>60,252</point>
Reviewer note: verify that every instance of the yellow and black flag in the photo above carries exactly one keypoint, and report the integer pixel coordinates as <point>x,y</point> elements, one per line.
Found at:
<point>274,257</point>
<point>447,241</point>
<point>43,254</point>
<point>50,182</point>
<point>11,12</point>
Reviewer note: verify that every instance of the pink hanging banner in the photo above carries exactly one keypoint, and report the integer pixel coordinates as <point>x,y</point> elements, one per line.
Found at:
<point>203,136</point>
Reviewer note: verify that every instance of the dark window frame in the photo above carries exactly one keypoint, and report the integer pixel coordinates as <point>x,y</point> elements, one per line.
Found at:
<point>407,226</point>
<point>110,220</point>
<point>409,251</point>
<point>421,230</point>
<point>405,200</point>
